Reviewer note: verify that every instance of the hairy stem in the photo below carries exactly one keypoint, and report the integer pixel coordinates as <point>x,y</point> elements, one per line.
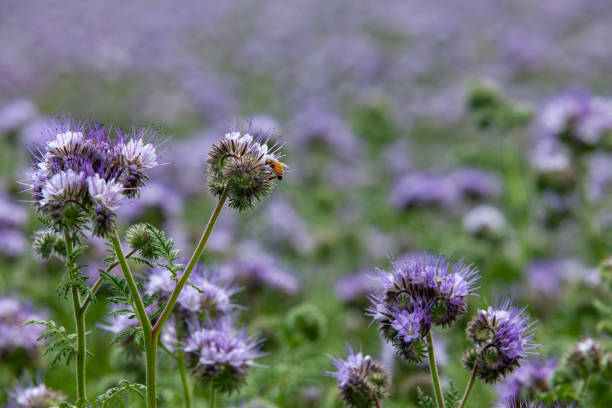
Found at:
<point>434,371</point>
<point>180,360</point>
<point>79,319</point>
<point>468,389</point>
<point>98,283</point>
<point>150,341</point>
<point>376,400</point>
<point>583,388</point>
<point>189,268</point>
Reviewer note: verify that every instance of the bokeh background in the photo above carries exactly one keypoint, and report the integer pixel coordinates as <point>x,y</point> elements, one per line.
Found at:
<point>385,159</point>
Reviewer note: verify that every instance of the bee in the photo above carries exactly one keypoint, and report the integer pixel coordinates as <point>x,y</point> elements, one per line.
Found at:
<point>277,166</point>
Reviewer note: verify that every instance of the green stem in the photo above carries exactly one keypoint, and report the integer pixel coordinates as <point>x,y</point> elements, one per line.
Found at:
<point>212,395</point>
<point>585,385</point>
<point>98,283</point>
<point>189,268</point>
<point>150,341</point>
<point>434,371</point>
<point>79,319</point>
<point>468,389</point>
<point>184,379</point>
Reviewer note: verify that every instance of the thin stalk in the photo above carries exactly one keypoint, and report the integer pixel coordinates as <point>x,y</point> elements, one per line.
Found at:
<point>150,341</point>
<point>583,388</point>
<point>434,371</point>
<point>468,389</point>
<point>98,283</point>
<point>79,319</point>
<point>189,268</point>
<point>376,400</point>
<point>180,361</point>
<point>211,404</point>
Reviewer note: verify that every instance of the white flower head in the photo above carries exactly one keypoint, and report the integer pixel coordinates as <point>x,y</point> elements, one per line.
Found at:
<point>65,143</point>
<point>64,185</point>
<point>108,193</point>
<point>137,152</point>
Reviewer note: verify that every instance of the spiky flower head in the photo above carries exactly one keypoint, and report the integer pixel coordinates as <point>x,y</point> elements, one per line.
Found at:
<point>502,336</point>
<point>86,170</point>
<point>140,237</point>
<point>433,280</point>
<point>584,359</point>
<point>34,396</point>
<point>213,294</point>
<point>361,379</point>
<point>48,243</point>
<point>403,324</point>
<point>245,165</point>
<point>221,354</point>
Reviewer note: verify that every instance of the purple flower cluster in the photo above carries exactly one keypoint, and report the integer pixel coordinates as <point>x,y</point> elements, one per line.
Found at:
<point>13,313</point>
<point>12,219</point>
<point>87,170</point>
<point>360,379</point>
<point>221,354</point>
<point>255,270</point>
<point>355,287</point>
<point>527,381</point>
<point>420,291</point>
<point>33,396</point>
<point>419,188</point>
<point>502,337</point>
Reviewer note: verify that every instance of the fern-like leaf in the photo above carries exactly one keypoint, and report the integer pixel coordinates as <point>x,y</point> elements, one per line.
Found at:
<point>112,397</point>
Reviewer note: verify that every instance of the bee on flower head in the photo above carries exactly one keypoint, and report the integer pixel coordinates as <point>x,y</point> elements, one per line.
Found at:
<point>277,166</point>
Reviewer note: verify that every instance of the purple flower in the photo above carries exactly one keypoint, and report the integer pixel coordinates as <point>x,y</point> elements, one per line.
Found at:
<point>214,296</point>
<point>13,313</point>
<point>33,396</point>
<point>474,182</point>
<point>485,221</point>
<point>16,114</point>
<point>545,278</point>
<point>502,337</point>
<point>255,269</point>
<point>424,189</point>
<point>221,354</point>
<point>434,280</point>
<point>11,214</point>
<point>360,378</point>
<point>286,226</point>
<point>527,381</point>
<point>12,242</point>
<point>85,170</point>
<point>355,287</point>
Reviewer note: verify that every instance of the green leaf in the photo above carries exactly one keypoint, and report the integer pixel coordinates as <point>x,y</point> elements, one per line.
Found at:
<point>423,400</point>
<point>112,397</point>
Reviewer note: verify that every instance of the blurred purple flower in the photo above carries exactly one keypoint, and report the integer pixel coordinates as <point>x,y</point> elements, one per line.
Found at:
<point>16,115</point>
<point>545,278</point>
<point>356,287</point>
<point>154,195</point>
<point>12,337</point>
<point>33,396</point>
<point>286,226</point>
<point>423,189</point>
<point>474,182</point>
<point>484,220</point>
<point>529,380</point>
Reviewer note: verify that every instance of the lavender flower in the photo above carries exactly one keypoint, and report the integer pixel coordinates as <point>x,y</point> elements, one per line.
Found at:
<point>484,221</point>
<point>221,354</point>
<point>245,165</point>
<point>13,313</point>
<point>213,297</point>
<point>474,182</point>
<point>361,379</point>
<point>434,280</point>
<point>544,278</point>
<point>502,337</point>
<point>85,170</point>
<point>355,287</point>
<point>16,115</point>
<point>33,396</point>
<point>424,189</point>
<point>527,381</point>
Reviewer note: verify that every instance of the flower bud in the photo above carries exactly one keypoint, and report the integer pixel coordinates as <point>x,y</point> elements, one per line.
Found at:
<point>140,237</point>
<point>584,359</point>
<point>45,244</point>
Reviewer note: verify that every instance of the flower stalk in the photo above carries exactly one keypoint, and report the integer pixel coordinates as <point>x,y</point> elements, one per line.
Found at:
<point>434,371</point>
<point>470,385</point>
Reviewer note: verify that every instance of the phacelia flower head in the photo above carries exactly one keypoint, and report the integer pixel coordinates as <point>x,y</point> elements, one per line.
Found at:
<point>13,313</point>
<point>502,336</point>
<point>536,404</point>
<point>34,396</point>
<point>527,381</point>
<point>585,358</point>
<point>221,354</point>
<point>213,294</point>
<point>85,170</point>
<point>361,379</point>
<point>244,165</point>
<point>432,279</point>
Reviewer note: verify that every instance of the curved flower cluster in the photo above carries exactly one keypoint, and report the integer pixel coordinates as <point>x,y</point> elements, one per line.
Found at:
<point>502,337</point>
<point>360,378</point>
<point>527,381</point>
<point>34,396</point>
<point>221,354</point>
<point>246,166</point>
<point>13,313</point>
<point>86,170</point>
<point>420,291</point>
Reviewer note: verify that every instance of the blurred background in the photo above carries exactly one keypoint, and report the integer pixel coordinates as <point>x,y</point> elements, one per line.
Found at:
<point>389,153</point>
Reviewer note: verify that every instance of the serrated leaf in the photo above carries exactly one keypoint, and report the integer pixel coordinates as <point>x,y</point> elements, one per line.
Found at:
<point>112,397</point>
